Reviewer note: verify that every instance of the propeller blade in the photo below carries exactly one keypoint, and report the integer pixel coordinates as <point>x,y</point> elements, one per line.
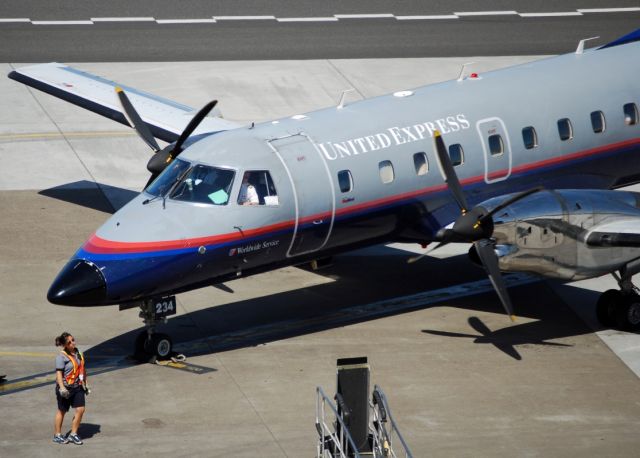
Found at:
<point>511,200</point>
<point>450,176</point>
<point>490,262</point>
<point>193,124</point>
<point>419,257</point>
<point>136,121</point>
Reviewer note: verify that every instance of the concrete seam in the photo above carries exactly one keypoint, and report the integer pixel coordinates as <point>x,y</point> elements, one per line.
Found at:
<point>69,144</point>
<point>228,372</point>
<point>344,77</point>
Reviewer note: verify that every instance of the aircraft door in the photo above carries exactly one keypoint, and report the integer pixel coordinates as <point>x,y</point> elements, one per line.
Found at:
<point>496,147</point>
<point>313,192</point>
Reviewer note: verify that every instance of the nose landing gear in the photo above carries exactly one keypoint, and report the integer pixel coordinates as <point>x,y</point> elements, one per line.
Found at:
<point>151,345</point>
<point>620,309</point>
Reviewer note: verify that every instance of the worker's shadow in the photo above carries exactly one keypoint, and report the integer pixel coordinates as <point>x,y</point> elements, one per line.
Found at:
<point>88,430</point>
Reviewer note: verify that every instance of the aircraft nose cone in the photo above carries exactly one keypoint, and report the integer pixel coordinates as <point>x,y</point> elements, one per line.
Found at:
<point>79,283</point>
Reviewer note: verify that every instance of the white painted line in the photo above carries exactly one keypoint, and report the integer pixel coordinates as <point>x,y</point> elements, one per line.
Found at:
<point>307,19</point>
<point>608,10</point>
<point>16,19</point>
<point>244,18</point>
<point>421,18</point>
<point>485,13</point>
<point>123,19</point>
<point>186,21</point>
<point>62,22</point>
<point>364,16</point>
<point>554,14</point>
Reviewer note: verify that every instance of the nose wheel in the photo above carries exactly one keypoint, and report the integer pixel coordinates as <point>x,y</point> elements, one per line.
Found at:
<point>151,345</point>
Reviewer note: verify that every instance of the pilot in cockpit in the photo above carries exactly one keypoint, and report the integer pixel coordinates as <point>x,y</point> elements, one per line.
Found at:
<point>248,194</point>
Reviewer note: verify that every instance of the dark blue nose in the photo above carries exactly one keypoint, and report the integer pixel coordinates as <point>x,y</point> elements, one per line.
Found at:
<point>79,283</point>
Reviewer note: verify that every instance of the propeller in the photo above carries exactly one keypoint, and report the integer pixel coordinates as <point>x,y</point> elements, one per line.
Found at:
<point>163,156</point>
<point>475,225</point>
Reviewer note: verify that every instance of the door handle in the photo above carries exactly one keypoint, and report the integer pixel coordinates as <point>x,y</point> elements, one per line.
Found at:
<point>318,221</point>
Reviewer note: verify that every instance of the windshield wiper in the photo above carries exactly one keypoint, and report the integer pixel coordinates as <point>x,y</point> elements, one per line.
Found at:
<point>171,188</point>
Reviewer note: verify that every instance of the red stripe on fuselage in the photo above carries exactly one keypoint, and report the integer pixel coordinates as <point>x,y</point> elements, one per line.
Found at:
<point>99,245</point>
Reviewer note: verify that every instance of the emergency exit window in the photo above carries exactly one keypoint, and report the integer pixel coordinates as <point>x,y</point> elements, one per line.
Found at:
<point>496,147</point>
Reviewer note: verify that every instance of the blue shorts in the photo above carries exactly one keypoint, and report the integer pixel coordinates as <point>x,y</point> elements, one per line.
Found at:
<point>75,400</point>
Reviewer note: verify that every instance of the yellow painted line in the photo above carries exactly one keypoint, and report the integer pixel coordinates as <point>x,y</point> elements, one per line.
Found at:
<point>11,386</point>
<point>31,136</point>
<point>27,353</point>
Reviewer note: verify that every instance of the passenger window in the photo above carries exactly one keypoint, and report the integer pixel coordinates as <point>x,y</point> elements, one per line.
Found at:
<point>529,137</point>
<point>421,163</point>
<point>597,121</point>
<point>386,171</point>
<point>345,180</point>
<point>456,153</point>
<point>257,189</point>
<point>565,130</point>
<point>495,145</point>
<point>630,114</point>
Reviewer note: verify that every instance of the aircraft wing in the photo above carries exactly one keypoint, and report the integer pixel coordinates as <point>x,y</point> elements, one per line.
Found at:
<point>622,232</point>
<point>166,119</point>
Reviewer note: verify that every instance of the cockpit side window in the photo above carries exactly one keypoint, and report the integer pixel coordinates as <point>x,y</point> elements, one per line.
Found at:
<point>206,185</point>
<point>257,189</point>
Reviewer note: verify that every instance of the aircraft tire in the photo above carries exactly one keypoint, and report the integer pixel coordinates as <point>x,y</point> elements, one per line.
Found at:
<point>160,346</point>
<point>606,307</point>
<point>627,313</point>
<point>139,346</point>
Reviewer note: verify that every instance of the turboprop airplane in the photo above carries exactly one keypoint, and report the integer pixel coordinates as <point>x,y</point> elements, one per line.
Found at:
<point>519,162</point>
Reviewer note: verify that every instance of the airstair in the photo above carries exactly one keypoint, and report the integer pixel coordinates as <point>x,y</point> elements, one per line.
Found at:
<point>356,425</point>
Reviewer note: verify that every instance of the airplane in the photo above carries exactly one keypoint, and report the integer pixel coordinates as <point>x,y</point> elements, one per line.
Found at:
<point>520,162</point>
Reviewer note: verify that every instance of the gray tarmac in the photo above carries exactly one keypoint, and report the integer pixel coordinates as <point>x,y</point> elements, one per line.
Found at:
<point>461,380</point>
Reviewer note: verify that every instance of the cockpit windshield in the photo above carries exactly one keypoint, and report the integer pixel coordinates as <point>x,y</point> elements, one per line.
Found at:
<point>167,178</point>
<point>204,184</point>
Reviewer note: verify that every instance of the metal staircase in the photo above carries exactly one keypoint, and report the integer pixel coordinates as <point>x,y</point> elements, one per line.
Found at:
<point>339,424</point>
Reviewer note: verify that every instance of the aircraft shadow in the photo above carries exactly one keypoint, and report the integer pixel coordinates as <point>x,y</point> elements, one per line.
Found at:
<point>359,295</point>
<point>506,339</point>
<point>96,196</point>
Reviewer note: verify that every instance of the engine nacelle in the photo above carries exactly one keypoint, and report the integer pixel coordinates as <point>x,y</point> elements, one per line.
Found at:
<point>545,233</point>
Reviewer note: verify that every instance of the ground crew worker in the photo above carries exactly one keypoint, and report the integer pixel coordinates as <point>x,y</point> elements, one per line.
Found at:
<point>71,387</point>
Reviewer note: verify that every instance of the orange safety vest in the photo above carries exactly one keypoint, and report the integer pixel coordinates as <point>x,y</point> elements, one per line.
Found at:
<point>77,369</point>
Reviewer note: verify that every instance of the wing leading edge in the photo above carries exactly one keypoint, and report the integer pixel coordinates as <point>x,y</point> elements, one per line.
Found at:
<point>165,118</point>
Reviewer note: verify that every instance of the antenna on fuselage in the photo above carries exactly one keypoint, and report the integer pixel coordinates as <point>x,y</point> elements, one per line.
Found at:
<point>343,97</point>
<point>461,74</point>
<point>580,48</point>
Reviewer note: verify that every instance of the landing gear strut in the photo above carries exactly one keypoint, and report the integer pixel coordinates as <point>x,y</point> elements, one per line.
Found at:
<point>152,345</point>
<point>620,309</point>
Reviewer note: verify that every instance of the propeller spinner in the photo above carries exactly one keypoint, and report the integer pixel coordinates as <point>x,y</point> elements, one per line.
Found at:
<point>474,225</point>
<point>163,156</point>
